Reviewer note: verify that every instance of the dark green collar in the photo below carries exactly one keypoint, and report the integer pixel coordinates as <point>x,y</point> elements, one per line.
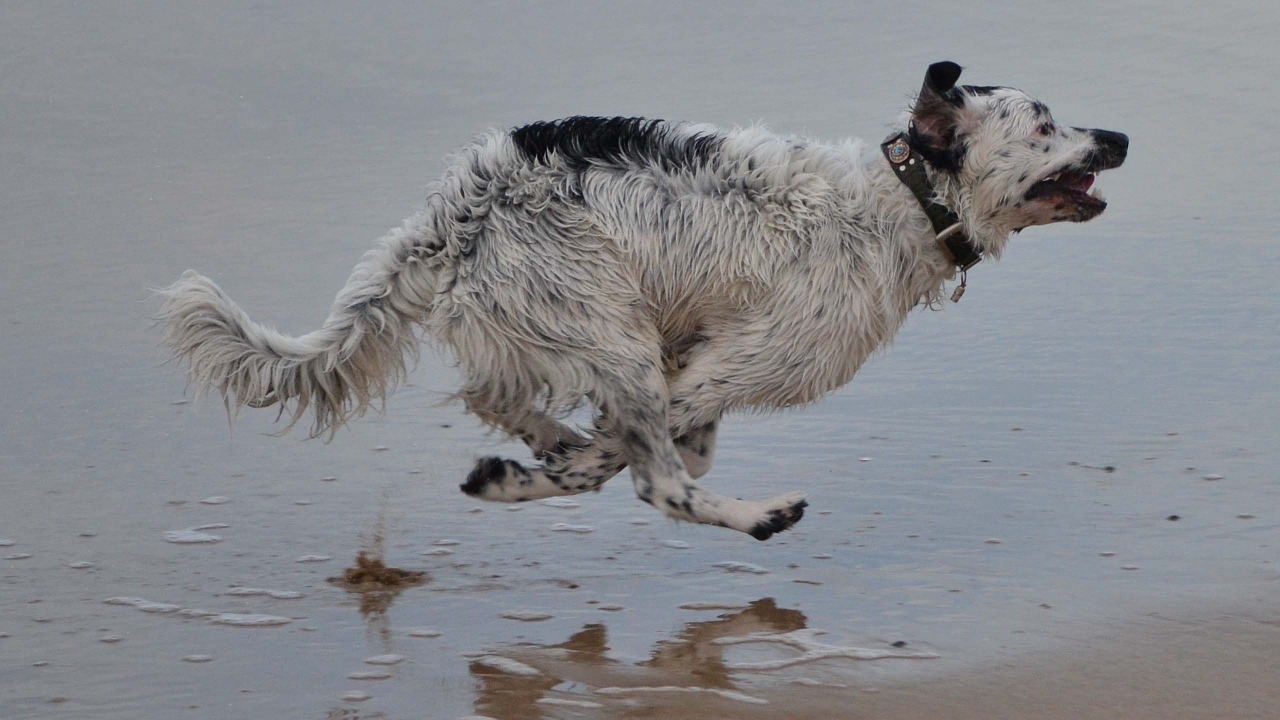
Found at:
<point>909,167</point>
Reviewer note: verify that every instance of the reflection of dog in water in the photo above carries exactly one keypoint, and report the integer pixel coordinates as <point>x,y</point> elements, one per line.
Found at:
<point>665,274</point>
<point>692,658</point>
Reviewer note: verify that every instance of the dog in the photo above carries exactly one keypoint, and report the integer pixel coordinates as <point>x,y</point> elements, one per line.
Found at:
<point>661,274</point>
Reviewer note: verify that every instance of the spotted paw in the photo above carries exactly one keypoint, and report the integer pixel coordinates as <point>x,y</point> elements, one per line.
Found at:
<point>495,479</point>
<point>779,519</point>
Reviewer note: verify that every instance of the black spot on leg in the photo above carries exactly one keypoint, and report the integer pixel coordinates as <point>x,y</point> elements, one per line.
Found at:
<point>636,442</point>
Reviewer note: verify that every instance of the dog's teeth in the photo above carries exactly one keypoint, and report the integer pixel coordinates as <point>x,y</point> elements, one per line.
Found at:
<point>1096,194</point>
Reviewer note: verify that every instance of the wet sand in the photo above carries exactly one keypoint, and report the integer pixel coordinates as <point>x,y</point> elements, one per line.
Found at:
<point>1056,498</point>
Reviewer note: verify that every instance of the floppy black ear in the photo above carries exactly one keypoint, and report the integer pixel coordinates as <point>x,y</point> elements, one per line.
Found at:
<point>933,119</point>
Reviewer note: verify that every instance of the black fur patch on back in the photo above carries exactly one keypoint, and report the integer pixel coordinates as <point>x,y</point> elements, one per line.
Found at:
<point>583,142</point>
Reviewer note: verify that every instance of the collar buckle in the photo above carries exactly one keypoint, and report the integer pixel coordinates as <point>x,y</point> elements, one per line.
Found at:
<point>908,166</point>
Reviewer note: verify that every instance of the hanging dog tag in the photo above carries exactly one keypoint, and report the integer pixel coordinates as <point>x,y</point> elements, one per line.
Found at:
<point>959,291</point>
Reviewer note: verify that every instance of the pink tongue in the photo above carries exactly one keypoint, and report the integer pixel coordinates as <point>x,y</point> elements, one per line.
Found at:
<point>1082,182</point>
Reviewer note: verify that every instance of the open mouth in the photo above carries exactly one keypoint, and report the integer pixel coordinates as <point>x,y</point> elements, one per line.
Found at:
<point>1071,193</point>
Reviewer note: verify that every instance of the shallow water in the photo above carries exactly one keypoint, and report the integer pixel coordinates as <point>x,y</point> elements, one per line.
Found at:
<point>997,488</point>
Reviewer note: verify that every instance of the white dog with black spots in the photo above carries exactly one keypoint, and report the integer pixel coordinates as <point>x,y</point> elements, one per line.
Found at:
<point>662,273</point>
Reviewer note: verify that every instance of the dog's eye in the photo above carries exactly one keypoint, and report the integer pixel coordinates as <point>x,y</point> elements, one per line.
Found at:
<point>1045,128</point>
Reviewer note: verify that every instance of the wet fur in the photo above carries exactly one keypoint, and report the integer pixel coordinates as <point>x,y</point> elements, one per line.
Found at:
<point>663,273</point>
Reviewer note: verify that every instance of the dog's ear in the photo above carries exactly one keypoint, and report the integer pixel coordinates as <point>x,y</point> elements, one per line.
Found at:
<point>934,118</point>
<point>936,114</point>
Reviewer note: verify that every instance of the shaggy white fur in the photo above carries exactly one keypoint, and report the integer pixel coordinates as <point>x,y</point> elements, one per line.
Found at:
<point>664,273</point>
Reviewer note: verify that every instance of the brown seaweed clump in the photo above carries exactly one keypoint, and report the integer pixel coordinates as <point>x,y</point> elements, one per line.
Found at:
<point>375,582</point>
<point>371,574</point>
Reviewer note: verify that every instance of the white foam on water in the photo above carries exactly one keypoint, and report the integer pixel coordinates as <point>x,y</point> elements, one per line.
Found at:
<point>196,613</point>
<point>197,658</point>
<point>277,594</point>
<point>527,615</point>
<point>192,536</point>
<point>216,500</point>
<point>354,696</point>
<point>568,703</point>
<point>741,567</point>
<point>447,541</point>
<point>566,527</point>
<point>711,606</point>
<point>507,665</point>
<point>370,675</point>
<point>235,619</point>
<point>565,503</point>
<point>676,544</point>
<point>80,565</point>
<point>212,526</point>
<point>437,551</point>
<point>143,604</point>
<point>249,620</point>
<point>727,694</point>
<point>313,558</point>
<point>424,633</point>
<point>388,659</point>
<point>810,682</point>
<point>1214,476</point>
<point>811,650</point>
<point>110,639</point>
<point>6,542</point>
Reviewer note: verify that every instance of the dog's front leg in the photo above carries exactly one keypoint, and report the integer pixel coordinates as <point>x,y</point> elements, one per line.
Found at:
<point>639,417</point>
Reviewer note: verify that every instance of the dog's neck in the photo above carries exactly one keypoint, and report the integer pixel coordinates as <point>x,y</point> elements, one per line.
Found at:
<point>952,237</point>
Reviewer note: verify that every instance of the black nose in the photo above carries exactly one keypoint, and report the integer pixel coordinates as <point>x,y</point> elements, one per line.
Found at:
<point>1110,149</point>
<point>1114,140</point>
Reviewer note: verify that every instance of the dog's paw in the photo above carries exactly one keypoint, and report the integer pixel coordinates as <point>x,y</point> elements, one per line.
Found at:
<point>789,511</point>
<point>496,479</point>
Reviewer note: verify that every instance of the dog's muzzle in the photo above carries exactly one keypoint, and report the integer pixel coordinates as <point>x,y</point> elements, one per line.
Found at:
<point>1070,189</point>
<point>1110,150</point>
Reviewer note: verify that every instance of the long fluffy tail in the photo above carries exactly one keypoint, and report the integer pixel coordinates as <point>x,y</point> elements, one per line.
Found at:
<point>356,357</point>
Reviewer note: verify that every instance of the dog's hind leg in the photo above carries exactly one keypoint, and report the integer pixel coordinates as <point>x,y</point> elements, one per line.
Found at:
<point>567,469</point>
<point>543,434</point>
<point>572,464</point>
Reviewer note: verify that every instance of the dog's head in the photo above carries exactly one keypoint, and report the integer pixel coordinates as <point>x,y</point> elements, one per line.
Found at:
<point>1002,163</point>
